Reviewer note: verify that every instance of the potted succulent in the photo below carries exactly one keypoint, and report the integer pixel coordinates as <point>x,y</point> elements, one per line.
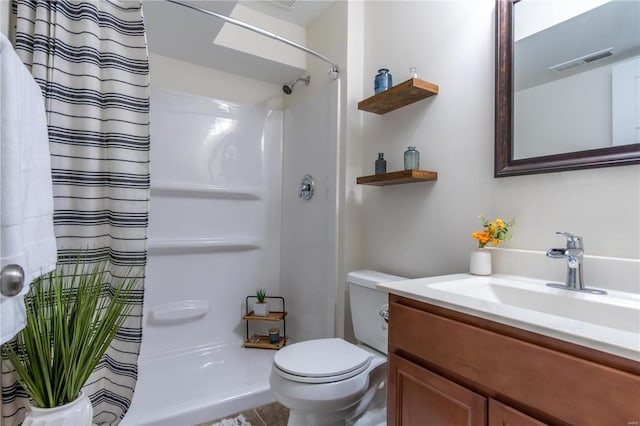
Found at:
<point>73,314</point>
<point>261,307</point>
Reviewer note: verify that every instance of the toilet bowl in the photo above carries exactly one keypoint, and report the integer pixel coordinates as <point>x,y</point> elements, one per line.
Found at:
<point>331,381</point>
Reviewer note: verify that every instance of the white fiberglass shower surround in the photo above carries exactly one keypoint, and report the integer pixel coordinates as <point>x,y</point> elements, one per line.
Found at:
<point>226,219</point>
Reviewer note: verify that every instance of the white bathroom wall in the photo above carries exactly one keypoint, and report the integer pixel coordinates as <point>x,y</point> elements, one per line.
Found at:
<point>309,229</point>
<point>337,33</point>
<point>173,74</point>
<point>214,218</point>
<point>424,229</point>
<point>308,253</point>
<point>198,276</point>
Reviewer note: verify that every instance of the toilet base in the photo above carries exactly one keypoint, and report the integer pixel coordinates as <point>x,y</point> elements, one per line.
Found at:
<point>376,413</point>
<point>297,418</point>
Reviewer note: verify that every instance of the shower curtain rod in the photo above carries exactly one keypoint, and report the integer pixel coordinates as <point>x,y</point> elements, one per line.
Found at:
<point>333,70</point>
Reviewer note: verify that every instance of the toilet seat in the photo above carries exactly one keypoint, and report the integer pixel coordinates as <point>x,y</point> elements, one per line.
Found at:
<point>321,361</point>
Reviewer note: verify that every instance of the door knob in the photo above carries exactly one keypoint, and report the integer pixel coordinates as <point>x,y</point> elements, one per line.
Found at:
<point>11,280</point>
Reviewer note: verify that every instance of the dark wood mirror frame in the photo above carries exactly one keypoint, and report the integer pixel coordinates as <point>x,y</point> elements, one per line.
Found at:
<point>504,163</point>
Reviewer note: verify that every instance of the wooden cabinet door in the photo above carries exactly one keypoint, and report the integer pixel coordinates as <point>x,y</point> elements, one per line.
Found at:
<point>503,415</point>
<point>419,397</point>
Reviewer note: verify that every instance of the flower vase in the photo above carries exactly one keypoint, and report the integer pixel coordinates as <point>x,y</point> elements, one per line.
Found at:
<point>480,262</point>
<point>78,412</point>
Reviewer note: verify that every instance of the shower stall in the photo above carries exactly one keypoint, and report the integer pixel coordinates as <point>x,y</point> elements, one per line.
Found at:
<point>225,219</point>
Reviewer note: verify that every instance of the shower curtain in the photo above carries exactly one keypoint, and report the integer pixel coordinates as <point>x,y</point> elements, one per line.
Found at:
<point>90,59</point>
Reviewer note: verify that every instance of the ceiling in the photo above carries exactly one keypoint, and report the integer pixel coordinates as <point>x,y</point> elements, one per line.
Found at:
<point>302,12</point>
<point>181,33</point>
<point>614,24</point>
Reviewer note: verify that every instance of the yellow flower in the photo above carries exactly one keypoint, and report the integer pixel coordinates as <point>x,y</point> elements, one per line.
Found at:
<point>494,232</point>
<point>482,237</point>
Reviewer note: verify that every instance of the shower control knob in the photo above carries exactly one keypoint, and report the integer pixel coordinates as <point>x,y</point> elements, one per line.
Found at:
<point>307,188</point>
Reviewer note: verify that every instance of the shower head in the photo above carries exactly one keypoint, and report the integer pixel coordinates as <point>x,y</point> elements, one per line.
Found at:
<point>288,88</point>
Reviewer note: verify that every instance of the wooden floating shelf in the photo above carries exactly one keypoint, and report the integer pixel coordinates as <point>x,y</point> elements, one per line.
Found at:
<point>400,95</point>
<point>265,343</point>
<point>271,316</point>
<point>395,178</point>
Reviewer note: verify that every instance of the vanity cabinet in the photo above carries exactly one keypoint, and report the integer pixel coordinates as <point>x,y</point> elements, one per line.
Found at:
<point>444,364</point>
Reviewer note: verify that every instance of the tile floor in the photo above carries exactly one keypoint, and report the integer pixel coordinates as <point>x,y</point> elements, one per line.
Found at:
<point>272,414</point>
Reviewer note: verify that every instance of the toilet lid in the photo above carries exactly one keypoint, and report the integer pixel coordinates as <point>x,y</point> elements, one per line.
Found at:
<point>321,360</point>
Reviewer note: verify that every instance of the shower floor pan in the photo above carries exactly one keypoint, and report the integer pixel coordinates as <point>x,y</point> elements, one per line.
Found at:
<point>191,387</point>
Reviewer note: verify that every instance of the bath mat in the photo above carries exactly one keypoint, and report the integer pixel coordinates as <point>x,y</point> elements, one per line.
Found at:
<point>235,421</point>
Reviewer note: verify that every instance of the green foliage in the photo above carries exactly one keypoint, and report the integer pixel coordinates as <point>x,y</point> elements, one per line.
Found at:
<point>261,294</point>
<point>73,314</point>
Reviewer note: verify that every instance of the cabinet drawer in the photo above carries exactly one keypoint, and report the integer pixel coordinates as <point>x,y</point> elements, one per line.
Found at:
<point>564,387</point>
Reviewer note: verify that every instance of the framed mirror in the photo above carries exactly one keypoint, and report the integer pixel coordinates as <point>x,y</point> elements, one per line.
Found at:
<point>529,109</point>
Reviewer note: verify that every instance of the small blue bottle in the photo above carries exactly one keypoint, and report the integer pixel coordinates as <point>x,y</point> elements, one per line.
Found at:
<point>381,164</point>
<point>382,81</point>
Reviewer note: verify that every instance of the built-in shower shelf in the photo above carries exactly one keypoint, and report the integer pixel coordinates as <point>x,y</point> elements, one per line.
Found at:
<point>200,245</point>
<point>204,191</point>
<point>400,95</point>
<point>179,312</point>
<point>395,178</point>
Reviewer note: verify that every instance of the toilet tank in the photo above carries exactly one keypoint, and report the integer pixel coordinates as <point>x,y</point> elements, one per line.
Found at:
<point>366,303</point>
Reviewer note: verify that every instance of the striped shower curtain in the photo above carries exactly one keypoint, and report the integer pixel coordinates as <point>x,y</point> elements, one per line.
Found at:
<point>90,59</point>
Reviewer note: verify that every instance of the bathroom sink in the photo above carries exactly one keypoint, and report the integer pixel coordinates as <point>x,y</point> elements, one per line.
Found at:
<point>603,310</point>
<point>610,322</point>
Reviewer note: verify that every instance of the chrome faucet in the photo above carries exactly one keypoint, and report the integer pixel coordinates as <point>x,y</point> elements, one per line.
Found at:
<point>574,254</point>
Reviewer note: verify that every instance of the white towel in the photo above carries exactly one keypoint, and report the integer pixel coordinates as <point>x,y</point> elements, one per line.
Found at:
<point>26,197</point>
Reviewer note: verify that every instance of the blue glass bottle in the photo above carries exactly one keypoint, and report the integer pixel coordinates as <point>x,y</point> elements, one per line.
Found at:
<point>381,164</point>
<point>411,159</point>
<point>383,81</point>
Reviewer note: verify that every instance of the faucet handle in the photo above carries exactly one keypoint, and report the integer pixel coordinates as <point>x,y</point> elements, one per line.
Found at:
<point>573,241</point>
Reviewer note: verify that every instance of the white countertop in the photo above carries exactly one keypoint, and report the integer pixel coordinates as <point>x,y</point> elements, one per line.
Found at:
<point>609,323</point>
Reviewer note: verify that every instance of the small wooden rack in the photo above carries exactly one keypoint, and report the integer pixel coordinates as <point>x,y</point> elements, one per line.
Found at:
<point>394,178</point>
<point>400,95</point>
<point>264,342</point>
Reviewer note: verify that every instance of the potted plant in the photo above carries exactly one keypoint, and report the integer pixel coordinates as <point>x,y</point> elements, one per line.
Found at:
<point>261,307</point>
<point>73,314</point>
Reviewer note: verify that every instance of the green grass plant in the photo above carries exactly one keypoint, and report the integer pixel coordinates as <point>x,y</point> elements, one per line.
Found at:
<point>261,293</point>
<point>73,314</point>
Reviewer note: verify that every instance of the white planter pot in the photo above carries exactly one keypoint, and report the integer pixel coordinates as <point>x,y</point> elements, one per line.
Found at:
<point>480,262</point>
<point>76,413</point>
<point>261,309</point>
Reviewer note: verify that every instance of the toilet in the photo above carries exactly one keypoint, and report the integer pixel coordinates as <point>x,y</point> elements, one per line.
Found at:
<point>334,382</point>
